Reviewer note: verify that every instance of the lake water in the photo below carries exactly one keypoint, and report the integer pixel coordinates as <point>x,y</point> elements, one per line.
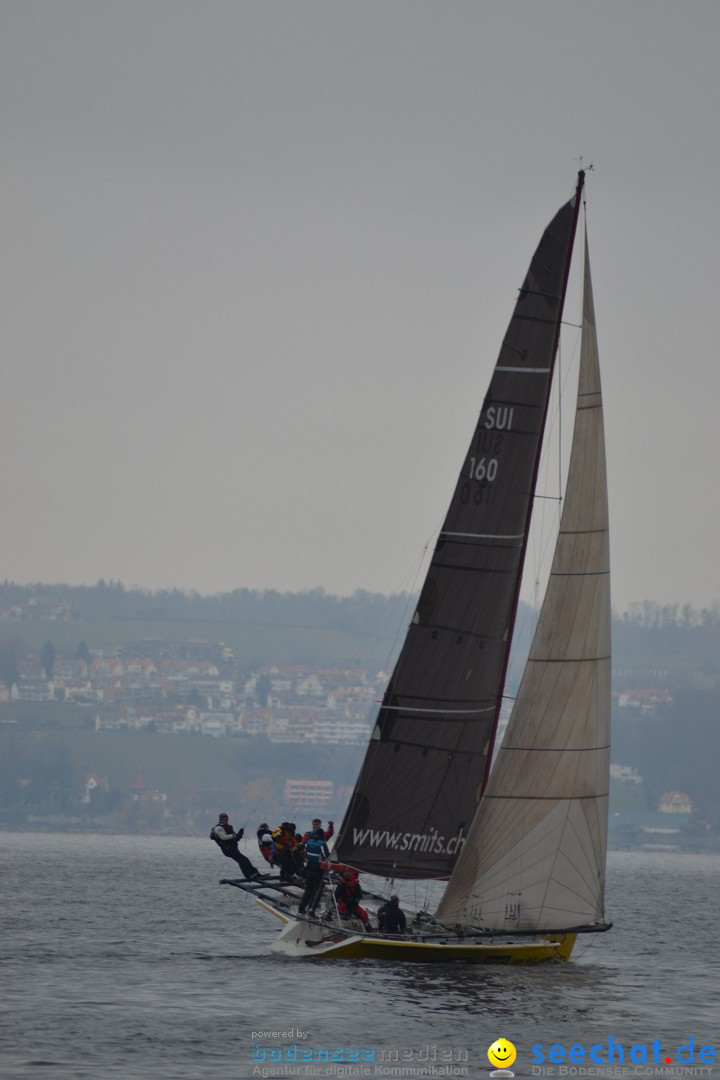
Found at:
<point>122,957</point>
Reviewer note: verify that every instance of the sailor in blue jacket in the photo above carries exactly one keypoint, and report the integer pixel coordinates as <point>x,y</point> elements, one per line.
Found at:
<point>316,853</point>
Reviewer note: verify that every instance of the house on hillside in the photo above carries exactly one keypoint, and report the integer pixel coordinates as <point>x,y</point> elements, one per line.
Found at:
<point>644,701</point>
<point>310,686</point>
<point>626,774</point>
<point>291,725</point>
<point>92,783</point>
<point>675,802</point>
<point>140,792</point>
<point>308,795</point>
<point>256,721</point>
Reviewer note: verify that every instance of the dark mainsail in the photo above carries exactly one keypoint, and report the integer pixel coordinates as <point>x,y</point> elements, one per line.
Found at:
<point>426,762</point>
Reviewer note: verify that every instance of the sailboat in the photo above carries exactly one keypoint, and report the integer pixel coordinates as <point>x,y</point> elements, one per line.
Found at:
<point>521,845</point>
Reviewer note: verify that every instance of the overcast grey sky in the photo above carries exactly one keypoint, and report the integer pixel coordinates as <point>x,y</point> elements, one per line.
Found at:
<point>258,259</point>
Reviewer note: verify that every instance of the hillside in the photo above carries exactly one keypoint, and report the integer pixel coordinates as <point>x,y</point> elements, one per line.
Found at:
<point>309,628</point>
<point>49,748</point>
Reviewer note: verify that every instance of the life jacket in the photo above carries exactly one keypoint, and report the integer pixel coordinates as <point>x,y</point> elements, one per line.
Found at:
<point>316,851</point>
<point>281,841</point>
<point>265,843</point>
<point>228,842</point>
<point>347,894</point>
<point>341,868</point>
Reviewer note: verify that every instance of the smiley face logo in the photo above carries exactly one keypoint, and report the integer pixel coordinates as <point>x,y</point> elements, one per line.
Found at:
<point>502,1053</point>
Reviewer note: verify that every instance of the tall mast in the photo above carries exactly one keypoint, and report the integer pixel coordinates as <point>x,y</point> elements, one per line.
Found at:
<point>566,276</point>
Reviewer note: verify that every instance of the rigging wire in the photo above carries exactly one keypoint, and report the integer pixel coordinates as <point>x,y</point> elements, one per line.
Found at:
<point>543,532</point>
<point>547,503</point>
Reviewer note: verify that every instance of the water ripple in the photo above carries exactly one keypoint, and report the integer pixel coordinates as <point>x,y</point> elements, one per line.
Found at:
<point>127,962</point>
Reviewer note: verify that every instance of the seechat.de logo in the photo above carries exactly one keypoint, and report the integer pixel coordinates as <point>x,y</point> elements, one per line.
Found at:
<point>614,1053</point>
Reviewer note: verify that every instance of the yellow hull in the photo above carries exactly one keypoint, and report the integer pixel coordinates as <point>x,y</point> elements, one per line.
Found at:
<point>302,939</point>
<point>306,938</point>
<point>555,950</point>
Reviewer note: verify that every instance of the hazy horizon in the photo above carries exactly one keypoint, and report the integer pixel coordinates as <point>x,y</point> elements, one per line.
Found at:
<point>618,611</point>
<point>259,260</point>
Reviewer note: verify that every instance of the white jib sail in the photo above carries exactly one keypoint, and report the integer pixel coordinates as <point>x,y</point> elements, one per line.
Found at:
<point>534,858</point>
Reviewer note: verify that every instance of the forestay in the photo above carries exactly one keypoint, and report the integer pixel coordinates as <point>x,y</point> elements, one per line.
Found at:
<point>535,855</point>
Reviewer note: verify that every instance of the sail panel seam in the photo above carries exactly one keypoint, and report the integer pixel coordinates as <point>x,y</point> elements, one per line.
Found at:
<point>579,573</point>
<point>445,712</point>
<point>559,749</point>
<point>434,697</point>
<point>567,659</point>
<point>457,630</point>
<point>548,798</point>
<point>523,292</point>
<point>469,569</point>
<point>582,532</point>
<point>524,370</point>
<point>483,536</point>
<point>534,319</point>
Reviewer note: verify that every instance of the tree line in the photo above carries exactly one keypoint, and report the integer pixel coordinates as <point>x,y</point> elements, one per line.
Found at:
<point>363,612</point>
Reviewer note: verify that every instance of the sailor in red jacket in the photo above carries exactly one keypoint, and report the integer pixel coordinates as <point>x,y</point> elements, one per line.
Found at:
<point>347,895</point>
<point>264,839</point>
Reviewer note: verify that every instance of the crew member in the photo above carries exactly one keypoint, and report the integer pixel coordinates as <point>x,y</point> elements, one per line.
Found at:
<point>348,894</point>
<point>317,824</point>
<point>391,919</point>
<point>264,839</point>
<point>316,854</point>
<point>227,840</point>
<point>282,852</point>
